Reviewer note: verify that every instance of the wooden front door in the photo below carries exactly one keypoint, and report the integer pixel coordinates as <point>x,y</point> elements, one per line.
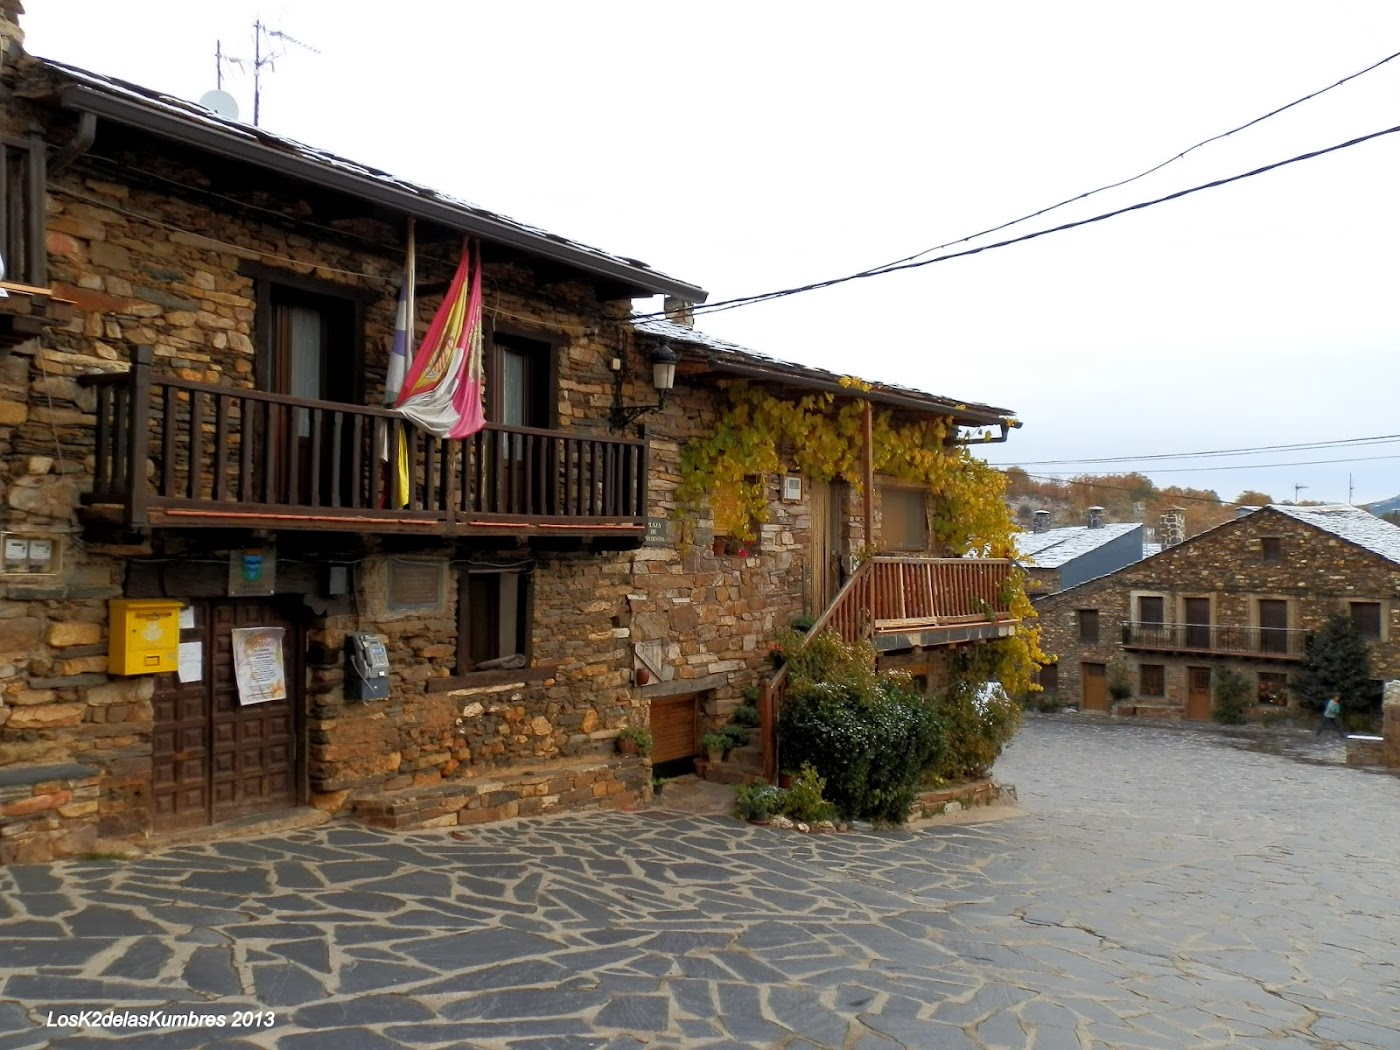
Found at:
<point>825,557</point>
<point>673,722</point>
<point>214,758</point>
<point>1198,693</point>
<point>1095,686</point>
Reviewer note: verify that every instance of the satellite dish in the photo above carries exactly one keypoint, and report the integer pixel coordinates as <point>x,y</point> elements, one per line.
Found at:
<point>221,103</point>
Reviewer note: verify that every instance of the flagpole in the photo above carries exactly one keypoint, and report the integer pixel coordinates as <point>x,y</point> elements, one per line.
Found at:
<point>410,279</point>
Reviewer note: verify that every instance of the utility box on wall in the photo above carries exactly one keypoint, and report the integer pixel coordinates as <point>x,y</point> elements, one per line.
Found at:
<point>143,636</point>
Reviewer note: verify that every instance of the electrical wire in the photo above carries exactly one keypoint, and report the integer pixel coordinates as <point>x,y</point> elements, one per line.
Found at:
<point>749,300</point>
<point>1380,439</point>
<point>1264,466</point>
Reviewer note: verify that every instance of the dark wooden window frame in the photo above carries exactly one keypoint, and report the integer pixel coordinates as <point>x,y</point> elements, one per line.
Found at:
<point>1142,602</point>
<point>1363,628</point>
<point>272,283</point>
<point>554,341</point>
<point>1088,624</point>
<point>1271,548</point>
<point>525,614</point>
<point>1152,679</point>
<point>23,210</point>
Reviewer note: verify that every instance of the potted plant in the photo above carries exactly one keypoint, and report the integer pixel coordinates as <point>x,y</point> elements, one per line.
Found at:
<point>634,740</point>
<point>735,736</point>
<point>757,802</point>
<point>745,716</point>
<point>716,745</point>
<point>658,785</point>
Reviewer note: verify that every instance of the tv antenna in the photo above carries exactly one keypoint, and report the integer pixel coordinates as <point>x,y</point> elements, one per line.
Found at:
<point>260,58</point>
<point>1297,489</point>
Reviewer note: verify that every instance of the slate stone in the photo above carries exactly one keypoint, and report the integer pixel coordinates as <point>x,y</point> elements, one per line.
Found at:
<point>365,975</point>
<point>211,970</point>
<point>515,974</point>
<point>296,875</point>
<point>142,960</point>
<point>313,954</point>
<point>642,1013</point>
<point>355,901</point>
<point>524,1003</point>
<point>236,882</point>
<point>57,988</point>
<point>29,954</point>
<point>339,1039</point>
<point>285,984</point>
<point>362,1010</point>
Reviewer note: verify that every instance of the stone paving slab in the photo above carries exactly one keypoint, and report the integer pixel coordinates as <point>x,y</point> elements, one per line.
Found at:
<point>1168,889</point>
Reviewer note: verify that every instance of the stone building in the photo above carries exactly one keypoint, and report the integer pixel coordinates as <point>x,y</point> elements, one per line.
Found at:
<point>199,427</point>
<point>1244,594</point>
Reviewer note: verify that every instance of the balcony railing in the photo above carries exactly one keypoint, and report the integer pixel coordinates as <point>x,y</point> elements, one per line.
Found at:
<point>897,602</point>
<point>170,452</point>
<point>1273,642</point>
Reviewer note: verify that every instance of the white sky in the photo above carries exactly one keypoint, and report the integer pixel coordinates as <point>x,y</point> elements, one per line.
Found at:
<point>750,146</point>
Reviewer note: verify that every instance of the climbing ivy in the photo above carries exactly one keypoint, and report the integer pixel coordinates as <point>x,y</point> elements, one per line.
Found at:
<point>758,435</point>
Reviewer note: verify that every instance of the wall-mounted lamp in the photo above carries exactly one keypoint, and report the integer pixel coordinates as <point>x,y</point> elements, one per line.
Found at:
<point>663,378</point>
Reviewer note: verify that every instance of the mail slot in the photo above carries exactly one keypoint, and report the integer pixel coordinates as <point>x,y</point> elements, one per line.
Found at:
<point>143,636</point>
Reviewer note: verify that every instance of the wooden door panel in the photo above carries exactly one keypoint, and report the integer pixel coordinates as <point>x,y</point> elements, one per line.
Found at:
<point>672,729</point>
<point>1198,702</point>
<point>1198,623</point>
<point>1095,685</point>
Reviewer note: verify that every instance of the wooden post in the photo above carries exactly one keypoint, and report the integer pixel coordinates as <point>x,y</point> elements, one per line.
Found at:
<point>868,478</point>
<point>139,421</point>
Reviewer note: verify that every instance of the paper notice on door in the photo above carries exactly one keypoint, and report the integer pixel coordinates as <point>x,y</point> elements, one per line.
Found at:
<point>257,664</point>
<point>186,617</point>
<point>191,661</point>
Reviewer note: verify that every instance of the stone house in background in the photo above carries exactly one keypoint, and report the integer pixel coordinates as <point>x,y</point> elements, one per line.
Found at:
<point>199,427</point>
<point>1244,594</point>
<point>1059,558</point>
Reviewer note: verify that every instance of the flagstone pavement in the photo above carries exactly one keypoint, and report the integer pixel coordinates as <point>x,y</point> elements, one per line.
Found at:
<point>1165,889</point>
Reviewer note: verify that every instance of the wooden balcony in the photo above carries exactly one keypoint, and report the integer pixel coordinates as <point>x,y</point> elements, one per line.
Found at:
<point>171,453</point>
<point>901,604</point>
<point>1270,643</point>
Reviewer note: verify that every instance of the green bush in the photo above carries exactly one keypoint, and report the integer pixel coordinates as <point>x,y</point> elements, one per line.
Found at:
<point>1231,690</point>
<point>975,729</point>
<point>745,716</point>
<point>758,801</point>
<point>804,800</point>
<point>737,736</point>
<point>714,742</point>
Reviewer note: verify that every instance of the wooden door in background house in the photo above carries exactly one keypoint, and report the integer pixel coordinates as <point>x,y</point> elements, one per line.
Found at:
<point>1198,694</point>
<point>1198,623</point>
<point>214,758</point>
<point>1094,678</point>
<point>1273,625</point>
<point>824,504</point>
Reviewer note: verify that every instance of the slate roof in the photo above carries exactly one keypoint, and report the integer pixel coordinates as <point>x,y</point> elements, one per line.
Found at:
<point>721,351</point>
<point>1352,524</point>
<point>1054,547</point>
<point>181,120</point>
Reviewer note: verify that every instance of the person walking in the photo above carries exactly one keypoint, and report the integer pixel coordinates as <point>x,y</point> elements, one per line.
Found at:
<point>1332,716</point>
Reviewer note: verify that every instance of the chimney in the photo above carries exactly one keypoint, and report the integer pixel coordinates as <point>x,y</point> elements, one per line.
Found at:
<point>1173,527</point>
<point>1095,517</point>
<point>1041,522</point>
<point>678,311</point>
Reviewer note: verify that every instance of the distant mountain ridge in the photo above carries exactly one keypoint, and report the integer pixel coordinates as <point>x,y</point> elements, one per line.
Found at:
<point>1385,506</point>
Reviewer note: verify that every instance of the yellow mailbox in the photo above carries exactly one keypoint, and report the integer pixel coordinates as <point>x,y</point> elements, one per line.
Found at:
<point>143,636</point>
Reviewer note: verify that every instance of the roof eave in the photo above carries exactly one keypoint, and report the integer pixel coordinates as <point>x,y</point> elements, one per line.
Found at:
<point>86,99</point>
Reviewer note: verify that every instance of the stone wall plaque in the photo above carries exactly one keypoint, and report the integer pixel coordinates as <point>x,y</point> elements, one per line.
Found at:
<point>416,584</point>
<point>661,532</point>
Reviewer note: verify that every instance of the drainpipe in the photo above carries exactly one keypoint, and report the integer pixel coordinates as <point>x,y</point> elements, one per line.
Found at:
<point>79,144</point>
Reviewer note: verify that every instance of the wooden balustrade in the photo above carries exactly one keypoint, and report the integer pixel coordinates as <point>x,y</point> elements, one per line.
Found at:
<point>174,452</point>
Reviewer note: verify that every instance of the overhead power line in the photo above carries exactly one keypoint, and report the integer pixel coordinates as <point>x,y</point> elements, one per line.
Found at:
<point>1379,439</point>
<point>731,304</point>
<point>1259,466</point>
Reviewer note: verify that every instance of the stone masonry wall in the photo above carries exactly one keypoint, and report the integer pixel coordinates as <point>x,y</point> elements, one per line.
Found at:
<point>1318,575</point>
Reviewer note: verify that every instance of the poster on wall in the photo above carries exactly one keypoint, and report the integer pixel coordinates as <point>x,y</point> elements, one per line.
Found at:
<point>257,664</point>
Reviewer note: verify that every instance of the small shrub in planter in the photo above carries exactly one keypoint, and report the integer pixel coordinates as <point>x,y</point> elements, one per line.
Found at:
<point>737,736</point>
<point>746,717</point>
<point>758,801</point>
<point>716,745</point>
<point>634,740</point>
<point>658,785</point>
<point>803,801</point>
<point>750,695</point>
<point>802,624</point>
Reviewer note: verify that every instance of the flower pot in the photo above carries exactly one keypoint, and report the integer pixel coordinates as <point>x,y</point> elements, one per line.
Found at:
<point>627,746</point>
<point>702,766</point>
<point>716,757</point>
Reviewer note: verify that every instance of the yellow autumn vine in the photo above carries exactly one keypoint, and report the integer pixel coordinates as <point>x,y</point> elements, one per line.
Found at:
<point>759,435</point>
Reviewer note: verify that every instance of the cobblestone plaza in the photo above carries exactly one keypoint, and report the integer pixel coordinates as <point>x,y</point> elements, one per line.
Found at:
<point>1166,888</point>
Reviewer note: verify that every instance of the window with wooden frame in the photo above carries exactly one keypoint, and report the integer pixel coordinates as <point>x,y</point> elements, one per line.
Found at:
<point>521,379</point>
<point>903,518</point>
<point>22,221</point>
<point>1152,680</point>
<point>1366,618</point>
<point>1049,678</point>
<point>1272,548</point>
<point>494,615</point>
<point>1088,624</point>
<point>1151,608</point>
<point>310,336</point>
<point>1273,688</point>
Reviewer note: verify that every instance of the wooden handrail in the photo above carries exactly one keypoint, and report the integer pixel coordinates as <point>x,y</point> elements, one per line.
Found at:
<point>166,445</point>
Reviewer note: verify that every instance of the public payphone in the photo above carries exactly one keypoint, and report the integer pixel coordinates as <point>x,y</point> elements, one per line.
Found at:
<point>366,666</point>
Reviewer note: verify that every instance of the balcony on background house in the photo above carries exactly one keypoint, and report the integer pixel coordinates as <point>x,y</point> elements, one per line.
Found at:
<point>171,453</point>
<point>1268,643</point>
<point>900,604</point>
